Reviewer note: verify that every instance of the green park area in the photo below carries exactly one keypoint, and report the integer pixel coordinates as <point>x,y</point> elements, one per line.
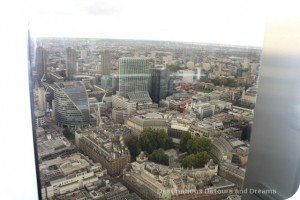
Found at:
<point>155,142</point>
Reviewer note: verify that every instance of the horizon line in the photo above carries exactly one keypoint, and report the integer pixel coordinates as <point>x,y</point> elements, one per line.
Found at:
<point>153,40</point>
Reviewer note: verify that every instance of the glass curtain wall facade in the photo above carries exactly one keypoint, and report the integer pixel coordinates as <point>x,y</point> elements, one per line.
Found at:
<point>161,85</point>
<point>71,104</point>
<point>134,75</point>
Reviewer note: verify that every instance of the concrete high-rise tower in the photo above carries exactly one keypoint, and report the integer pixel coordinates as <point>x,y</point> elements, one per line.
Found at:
<point>105,67</point>
<point>41,61</point>
<point>198,76</point>
<point>71,65</point>
<point>134,75</point>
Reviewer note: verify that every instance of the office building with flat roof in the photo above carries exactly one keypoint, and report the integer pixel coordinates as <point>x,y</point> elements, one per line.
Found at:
<point>105,66</point>
<point>41,57</point>
<point>150,120</point>
<point>161,85</point>
<point>62,175</point>
<point>133,75</point>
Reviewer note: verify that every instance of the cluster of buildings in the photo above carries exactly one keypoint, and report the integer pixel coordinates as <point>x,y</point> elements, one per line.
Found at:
<point>77,177</point>
<point>153,181</point>
<point>232,155</point>
<point>105,94</point>
<point>107,149</point>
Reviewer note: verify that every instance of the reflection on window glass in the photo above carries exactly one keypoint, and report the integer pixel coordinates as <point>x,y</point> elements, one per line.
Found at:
<point>157,109</point>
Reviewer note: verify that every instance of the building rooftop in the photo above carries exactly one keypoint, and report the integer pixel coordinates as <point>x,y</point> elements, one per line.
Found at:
<point>69,84</point>
<point>63,168</point>
<point>153,115</point>
<point>203,124</point>
<point>159,177</point>
<point>219,182</point>
<point>109,145</point>
<point>108,191</point>
<point>50,145</point>
<point>236,143</point>
<point>38,113</point>
<point>150,119</point>
<point>140,96</point>
<point>132,196</point>
<point>75,195</point>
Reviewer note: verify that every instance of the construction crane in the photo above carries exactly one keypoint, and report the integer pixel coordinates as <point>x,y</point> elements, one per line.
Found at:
<point>98,112</point>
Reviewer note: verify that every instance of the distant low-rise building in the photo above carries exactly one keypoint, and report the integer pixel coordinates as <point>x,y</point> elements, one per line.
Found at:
<point>188,76</point>
<point>206,66</point>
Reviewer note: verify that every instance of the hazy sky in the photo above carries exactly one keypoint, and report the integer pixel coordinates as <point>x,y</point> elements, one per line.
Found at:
<point>239,22</point>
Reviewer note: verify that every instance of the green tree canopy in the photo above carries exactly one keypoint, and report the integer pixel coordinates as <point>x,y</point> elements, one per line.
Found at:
<point>189,161</point>
<point>159,156</point>
<point>151,140</point>
<point>68,134</point>
<point>173,67</point>
<point>133,146</point>
<point>230,82</point>
<point>198,144</point>
<point>196,160</point>
<point>184,138</point>
<point>202,158</point>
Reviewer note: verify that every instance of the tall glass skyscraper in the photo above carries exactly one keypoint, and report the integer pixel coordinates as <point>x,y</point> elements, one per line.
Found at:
<point>134,75</point>
<point>71,104</point>
<point>161,85</point>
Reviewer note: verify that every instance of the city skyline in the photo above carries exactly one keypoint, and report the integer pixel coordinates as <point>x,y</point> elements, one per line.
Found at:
<point>167,91</point>
<point>258,170</point>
